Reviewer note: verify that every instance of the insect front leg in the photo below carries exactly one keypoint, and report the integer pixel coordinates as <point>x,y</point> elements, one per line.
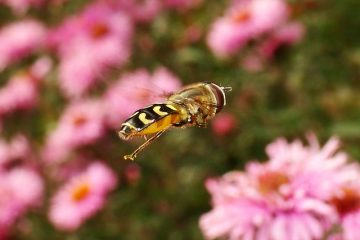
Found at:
<point>200,120</point>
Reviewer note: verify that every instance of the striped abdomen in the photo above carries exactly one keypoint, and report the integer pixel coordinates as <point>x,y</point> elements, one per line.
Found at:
<point>151,119</point>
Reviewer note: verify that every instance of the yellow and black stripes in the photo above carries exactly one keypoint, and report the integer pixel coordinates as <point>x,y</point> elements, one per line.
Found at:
<point>151,119</point>
<point>146,116</point>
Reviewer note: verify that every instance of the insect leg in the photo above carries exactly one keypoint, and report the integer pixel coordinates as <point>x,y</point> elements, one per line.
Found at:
<point>144,145</point>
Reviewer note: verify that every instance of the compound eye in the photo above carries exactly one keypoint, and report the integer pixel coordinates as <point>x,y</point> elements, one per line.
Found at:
<point>220,97</point>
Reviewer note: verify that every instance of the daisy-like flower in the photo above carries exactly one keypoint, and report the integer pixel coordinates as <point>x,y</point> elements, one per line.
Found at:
<point>244,21</point>
<point>136,90</point>
<point>81,197</point>
<point>20,189</point>
<point>19,39</point>
<point>288,197</point>
<point>81,123</point>
<point>89,44</point>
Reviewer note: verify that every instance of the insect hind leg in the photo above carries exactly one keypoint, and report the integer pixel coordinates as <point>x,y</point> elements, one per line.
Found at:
<point>133,155</point>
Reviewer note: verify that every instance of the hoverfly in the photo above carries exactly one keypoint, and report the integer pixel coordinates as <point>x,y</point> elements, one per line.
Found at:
<point>193,105</point>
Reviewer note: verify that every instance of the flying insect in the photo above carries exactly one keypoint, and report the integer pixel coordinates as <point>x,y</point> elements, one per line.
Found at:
<point>192,105</point>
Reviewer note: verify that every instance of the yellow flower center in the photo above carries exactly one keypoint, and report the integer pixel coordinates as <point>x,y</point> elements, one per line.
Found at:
<point>99,30</point>
<point>271,182</point>
<point>79,120</point>
<point>80,192</point>
<point>242,16</point>
<point>349,201</point>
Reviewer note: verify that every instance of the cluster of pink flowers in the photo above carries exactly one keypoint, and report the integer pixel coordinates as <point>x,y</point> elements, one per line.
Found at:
<point>301,192</point>
<point>15,199</point>
<point>17,171</point>
<point>86,46</point>
<point>90,43</point>
<point>82,196</point>
<point>98,39</point>
<point>266,22</point>
<point>83,122</point>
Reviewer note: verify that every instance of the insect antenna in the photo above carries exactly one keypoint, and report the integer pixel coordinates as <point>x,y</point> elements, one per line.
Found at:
<point>226,89</point>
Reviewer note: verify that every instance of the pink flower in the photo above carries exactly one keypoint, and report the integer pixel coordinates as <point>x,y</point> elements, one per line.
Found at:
<point>81,197</point>
<point>223,124</point>
<point>298,159</point>
<point>225,38</point>
<point>27,185</point>
<point>22,90</point>
<point>320,172</point>
<point>19,39</point>
<point>17,148</point>
<point>288,197</point>
<point>284,36</point>
<point>136,90</point>
<point>20,189</point>
<point>143,11</point>
<point>41,67</point>
<point>243,21</point>
<point>81,123</point>
<point>264,15</point>
<point>20,93</point>
<point>89,44</point>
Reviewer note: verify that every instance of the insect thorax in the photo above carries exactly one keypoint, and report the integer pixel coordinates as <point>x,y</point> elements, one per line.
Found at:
<point>201,101</point>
